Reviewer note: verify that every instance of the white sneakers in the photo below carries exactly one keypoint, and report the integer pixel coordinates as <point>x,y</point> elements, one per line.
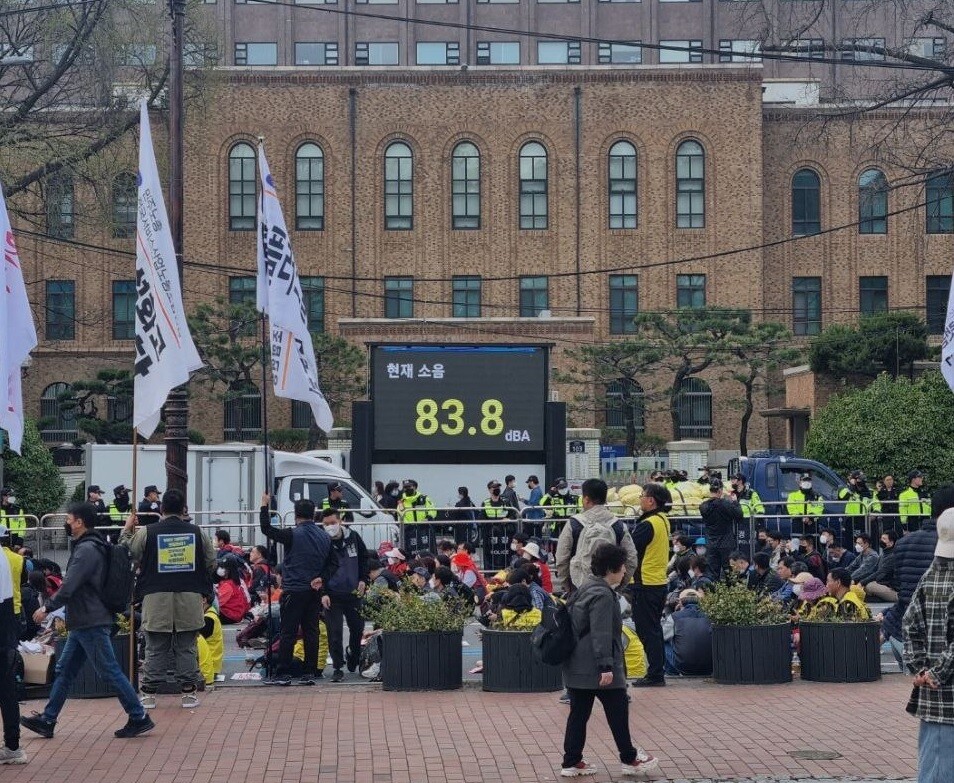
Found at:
<point>8,756</point>
<point>374,670</point>
<point>643,764</point>
<point>581,770</point>
<point>189,701</point>
<point>148,701</point>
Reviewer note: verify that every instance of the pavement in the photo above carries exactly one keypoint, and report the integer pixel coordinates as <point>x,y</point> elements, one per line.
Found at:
<point>360,734</point>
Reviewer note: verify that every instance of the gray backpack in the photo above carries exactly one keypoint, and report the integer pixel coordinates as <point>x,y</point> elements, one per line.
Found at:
<point>585,541</point>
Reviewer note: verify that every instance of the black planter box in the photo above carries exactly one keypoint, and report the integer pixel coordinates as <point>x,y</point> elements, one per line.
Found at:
<point>840,652</point>
<point>752,654</point>
<point>511,667</point>
<point>428,661</point>
<point>88,684</point>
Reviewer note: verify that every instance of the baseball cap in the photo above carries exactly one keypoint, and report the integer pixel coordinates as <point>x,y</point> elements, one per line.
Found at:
<point>915,474</point>
<point>493,483</point>
<point>334,486</point>
<point>945,534</point>
<point>94,488</point>
<point>5,491</point>
<point>561,483</point>
<point>715,485</point>
<point>422,572</point>
<point>121,489</point>
<point>739,477</point>
<point>151,488</point>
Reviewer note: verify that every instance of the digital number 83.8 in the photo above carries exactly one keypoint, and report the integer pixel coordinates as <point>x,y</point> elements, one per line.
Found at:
<point>427,423</point>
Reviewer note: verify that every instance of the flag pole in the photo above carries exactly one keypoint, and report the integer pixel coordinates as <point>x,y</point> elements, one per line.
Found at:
<point>132,597</point>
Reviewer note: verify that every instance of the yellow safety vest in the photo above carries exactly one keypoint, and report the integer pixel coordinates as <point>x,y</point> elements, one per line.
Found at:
<point>562,507</point>
<point>418,508</point>
<point>16,573</point>
<point>799,506</point>
<point>15,523</point>
<point>115,514</point>
<point>911,504</point>
<point>494,512</point>
<point>652,568</point>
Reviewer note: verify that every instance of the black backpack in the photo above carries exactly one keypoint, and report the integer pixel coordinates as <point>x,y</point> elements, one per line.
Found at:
<point>553,640</point>
<point>120,578</point>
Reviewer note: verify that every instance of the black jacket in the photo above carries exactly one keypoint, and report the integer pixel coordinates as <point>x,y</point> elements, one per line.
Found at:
<point>766,583</point>
<point>885,574</point>
<point>692,641</point>
<point>82,588</point>
<point>720,517</point>
<point>913,555</point>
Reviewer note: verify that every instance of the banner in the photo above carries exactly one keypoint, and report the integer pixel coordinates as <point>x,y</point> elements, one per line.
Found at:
<point>947,346</point>
<point>17,333</point>
<point>165,353</point>
<point>279,296</point>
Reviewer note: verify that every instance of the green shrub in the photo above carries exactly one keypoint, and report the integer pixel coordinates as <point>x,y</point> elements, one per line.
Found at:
<point>407,610</point>
<point>34,477</point>
<point>732,603</point>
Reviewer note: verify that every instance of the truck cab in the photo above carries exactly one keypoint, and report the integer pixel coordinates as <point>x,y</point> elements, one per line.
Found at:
<point>774,475</point>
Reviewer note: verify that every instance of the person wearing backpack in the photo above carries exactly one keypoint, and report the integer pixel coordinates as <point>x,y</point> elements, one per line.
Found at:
<point>176,562</point>
<point>595,668</point>
<point>586,531</point>
<point>89,623</point>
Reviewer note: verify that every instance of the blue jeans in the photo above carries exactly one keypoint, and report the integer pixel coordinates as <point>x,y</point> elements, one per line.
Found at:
<point>935,752</point>
<point>92,644</point>
<point>897,647</point>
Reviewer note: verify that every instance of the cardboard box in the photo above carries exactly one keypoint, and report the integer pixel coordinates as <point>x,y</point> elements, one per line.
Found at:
<point>38,667</point>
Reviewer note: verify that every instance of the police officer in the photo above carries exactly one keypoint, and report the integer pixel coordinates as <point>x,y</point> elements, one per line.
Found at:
<point>561,504</point>
<point>803,505</point>
<point>336,501</point>
<point>858,501</point>
<point>703,476</point>
<point>497,536</point>
<point>94,496</point>
<point>11,516</point>
<point>149,505</point>
<point>415,509</point>
<point>119,509</point>
<point>914,503</point>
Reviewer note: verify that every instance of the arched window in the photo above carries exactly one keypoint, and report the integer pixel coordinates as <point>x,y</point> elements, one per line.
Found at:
<point>60,206</point>
<point>872,202</point>
<point>465,186</point>
<point>57,415</point>
<point>694,409</point>
<point>806,203</point>
<point>625,406</point>
<point>243,412</point>
<point>242,207</point>
<point>533,186</point>
<point>124,205</point>
<point>309,188</point>
<point>690,185</point>
<point>398,187</point>
<point>622,185</point>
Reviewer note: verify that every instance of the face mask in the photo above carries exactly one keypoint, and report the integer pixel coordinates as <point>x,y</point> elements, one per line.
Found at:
<point>805,485</point>
<point>700,550</point>
<point>678,548</point>
<point>796,543</point>
<point>858,548</point>
<point>334,531</point>
<point>513,547</point>
<point>798,589</point>
<point>824,539</point>
<point>220,571</point>
<point>10,500</point>
<point>395,493</point>
<point>409,491</point>
<point>564,491</point>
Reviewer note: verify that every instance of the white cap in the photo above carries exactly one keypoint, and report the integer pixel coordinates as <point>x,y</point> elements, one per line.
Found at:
<point>945,534</point>
<point>394,554</point>
<point>532,549</point>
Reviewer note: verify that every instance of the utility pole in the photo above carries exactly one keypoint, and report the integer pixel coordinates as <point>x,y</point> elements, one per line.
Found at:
<point>177,405</point>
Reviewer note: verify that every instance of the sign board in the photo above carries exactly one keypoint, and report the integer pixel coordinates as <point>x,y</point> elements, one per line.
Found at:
<point>577,447</point>
<point>459,398</point>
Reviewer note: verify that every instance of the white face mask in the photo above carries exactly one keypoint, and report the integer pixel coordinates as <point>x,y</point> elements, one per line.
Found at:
<point>700,550</point>
<point>678,548</point>
<point>334,531</point>
<point>823,539</point>
<point>564,491</point>
<point>805,485</point>
<point>513,546</point>
<point>395,493</point>
<point>858,548</point>
<point>798,589</point>
<point>220,571</point>
<point>796,543</point>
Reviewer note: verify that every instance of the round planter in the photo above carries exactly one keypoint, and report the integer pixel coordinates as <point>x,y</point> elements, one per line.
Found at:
<point>752,655</point>
<point>840,652</point>
<point>88,684</point>
<point>429,661</point>
<point>511,667</point>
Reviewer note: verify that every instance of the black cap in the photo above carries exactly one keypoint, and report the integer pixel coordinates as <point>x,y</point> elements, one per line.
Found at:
<point>151,488</point>
<point>857,474</point>
<point>560,483</point>
<point>5,491</point>
<point>805,477</point>
<point>740,477</point>
<point>493,483</point>
<point>915,474</point>
<point>715,485</point>
<point>334,486</point>
<point>94,488</point>
<point>409,483</point>
<point>120,490</point>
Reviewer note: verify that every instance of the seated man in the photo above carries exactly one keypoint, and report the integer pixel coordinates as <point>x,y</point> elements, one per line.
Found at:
<point>838,556</point>
<point>739,563</point>
<point>784,570</point>
<point>842,599</point>
<point>699,577</point>
<point>689,652</point>
<point>777,542</point>
<point>763,579</point>
<point>883,583</point>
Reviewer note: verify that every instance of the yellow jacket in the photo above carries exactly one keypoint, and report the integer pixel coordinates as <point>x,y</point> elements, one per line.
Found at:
<point>216,641</point>
<point>511,619</point>
<point>299,650</point>
<point>205,660</point>
<point>16,573</point>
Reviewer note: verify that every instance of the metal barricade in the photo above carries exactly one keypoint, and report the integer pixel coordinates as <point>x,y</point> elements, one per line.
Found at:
<point>26,536</point>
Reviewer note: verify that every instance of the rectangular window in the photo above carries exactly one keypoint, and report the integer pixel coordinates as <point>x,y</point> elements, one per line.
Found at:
<point>435,2</point>
<point>242,292</point>
<point>379,2</point>
<point>613,53</point>
<point>498,53</point>
<point>690,290</point>
<point>438,53</point>
<point>499,2</point>
<point>624,303</point>
<point>534,296</point>
<point>301,415</point>
<point>256,54</point>
<point>739,51</point>
<point>316,2</point>
<point>60,309</point>
<point>558,52</point>
<point>316,53</point>
<point>558,1</point>
<point>873,295</point>
<point>313,291</point>
<point>806,305</point>
<point>939,204</point>
<point>928,48</point>
<point>137,54</point>
<point>124,309</point>
<point>399,297</point>
<point>681,51</point>
<point>813,48</point>
<point>376,53</point>
<point>862,49</point>
<point>466,296</point>
<point>938,290</point>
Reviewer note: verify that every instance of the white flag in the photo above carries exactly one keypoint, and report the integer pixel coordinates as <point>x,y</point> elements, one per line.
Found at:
<point>165,353</point>
<point>17,333</point>
<point>294,370</point>
<point>947,346</point>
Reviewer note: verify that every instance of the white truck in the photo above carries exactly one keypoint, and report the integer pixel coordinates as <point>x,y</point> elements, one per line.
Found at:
<point>226,483</point>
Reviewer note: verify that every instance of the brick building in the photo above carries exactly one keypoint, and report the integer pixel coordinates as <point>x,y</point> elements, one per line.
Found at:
<point>520,205</point>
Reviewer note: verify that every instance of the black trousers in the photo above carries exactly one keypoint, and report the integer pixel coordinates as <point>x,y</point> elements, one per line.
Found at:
<point>9,706</point>
<point>648,604</point>
<point>300,609</point>
<point>718,557</point>
<point>616,708</point>
<point>344,607</point>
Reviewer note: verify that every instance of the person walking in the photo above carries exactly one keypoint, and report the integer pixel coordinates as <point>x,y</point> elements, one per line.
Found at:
<point>647,596</point>
<point>89,623</point>
<point>176,562</point>
<point>308,565</point>
<point>11,752</point>
<point>927,654</point>
<point>595,670</point>
<point>343,593</point>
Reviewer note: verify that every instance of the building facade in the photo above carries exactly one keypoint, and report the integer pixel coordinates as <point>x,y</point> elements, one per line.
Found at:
<point>515,205</point>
